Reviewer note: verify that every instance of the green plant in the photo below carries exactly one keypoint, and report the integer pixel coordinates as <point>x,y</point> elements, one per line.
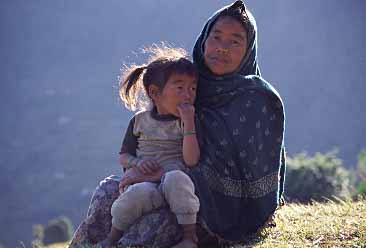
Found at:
<point>316,178</point>
<point>359,176</point>
<point>58,230</point>
<point>37,243</point>
<point>38,234</point>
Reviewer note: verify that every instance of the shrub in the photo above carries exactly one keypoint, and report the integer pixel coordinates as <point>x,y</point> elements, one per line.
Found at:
<point>359,176</point>
<point>316,178</point>
<point>38,234</point>
<point>58,230</point>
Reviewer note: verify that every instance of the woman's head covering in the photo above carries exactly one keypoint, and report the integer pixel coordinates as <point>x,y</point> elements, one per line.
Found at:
<point>249,65</point>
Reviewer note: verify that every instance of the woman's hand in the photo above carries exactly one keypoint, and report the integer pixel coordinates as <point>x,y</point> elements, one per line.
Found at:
<point>133,175</point>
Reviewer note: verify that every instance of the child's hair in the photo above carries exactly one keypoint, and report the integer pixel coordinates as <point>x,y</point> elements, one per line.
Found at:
<point>163,62</point>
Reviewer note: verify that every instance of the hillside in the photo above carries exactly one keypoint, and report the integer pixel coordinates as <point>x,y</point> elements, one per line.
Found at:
<point>62,123</point>
<point>328,224</point>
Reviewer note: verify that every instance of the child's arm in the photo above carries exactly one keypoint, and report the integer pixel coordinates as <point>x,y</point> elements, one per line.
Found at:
<point>127,160</point>
<point>133,175</point>
<point>138,170</point>
<point>191,150</point>
<point>146,166</point>
<point>127,153</point>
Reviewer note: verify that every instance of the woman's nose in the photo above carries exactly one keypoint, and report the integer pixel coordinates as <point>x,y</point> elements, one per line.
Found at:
<point>222,50</point>
<point>223,47</point>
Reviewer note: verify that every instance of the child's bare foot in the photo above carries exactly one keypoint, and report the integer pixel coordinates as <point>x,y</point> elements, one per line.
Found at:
<point>186,243</point>
<point>190,238</point>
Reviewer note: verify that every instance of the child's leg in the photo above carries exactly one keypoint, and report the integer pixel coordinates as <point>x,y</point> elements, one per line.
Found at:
<point>178,190</point>
<point>138,199</point>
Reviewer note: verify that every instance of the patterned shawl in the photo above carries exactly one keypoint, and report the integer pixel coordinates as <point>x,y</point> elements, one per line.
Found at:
<point>239,179</point>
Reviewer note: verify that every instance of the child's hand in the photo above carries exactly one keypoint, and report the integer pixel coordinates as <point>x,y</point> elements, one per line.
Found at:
<point>133,175</point>
<point>186,112</point>
<point>147,166</point>
<point>130,176</point>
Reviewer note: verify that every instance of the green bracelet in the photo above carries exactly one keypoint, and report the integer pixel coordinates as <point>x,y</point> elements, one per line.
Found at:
<point>129,160</point>
<point>185,133</point>
<point>136,161</point>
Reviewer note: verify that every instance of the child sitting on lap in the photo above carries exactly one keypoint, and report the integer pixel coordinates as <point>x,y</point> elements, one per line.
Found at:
<point>159,145</point>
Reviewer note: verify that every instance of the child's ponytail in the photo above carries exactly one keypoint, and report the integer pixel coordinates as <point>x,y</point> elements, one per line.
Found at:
<point>130,87</point>
<point>136,79</point>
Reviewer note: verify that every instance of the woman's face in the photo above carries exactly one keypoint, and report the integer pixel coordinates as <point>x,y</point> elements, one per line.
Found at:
<point>225,46</point>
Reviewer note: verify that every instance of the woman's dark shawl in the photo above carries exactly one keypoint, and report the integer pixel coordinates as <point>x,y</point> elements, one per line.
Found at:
<point>240,176</point>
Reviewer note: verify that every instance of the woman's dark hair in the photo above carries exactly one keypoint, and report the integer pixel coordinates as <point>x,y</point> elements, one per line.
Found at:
<point>237,11</point>
<point>163,62</point>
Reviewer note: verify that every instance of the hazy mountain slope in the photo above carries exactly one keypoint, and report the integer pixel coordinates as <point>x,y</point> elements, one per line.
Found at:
<point>61,122</point>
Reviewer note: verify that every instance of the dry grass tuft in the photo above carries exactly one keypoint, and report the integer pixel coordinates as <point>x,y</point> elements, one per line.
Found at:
<point>331,224</point>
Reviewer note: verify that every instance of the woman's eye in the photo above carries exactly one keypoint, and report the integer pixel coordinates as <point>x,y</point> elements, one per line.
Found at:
<point>235,42</point>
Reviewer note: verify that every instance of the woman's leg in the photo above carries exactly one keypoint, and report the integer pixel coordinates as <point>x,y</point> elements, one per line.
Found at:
<point>178,191</point>
<point>112,239</point>
<point>163,228</point>
<point>97,223</point>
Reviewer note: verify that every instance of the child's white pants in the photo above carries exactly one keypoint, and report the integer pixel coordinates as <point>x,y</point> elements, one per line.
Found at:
<point>176,190</point>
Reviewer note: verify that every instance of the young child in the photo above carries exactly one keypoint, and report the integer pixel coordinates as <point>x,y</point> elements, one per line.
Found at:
<point>159,143</point>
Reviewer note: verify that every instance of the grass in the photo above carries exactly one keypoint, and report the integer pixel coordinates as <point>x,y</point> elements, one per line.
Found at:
<point>330,224</point>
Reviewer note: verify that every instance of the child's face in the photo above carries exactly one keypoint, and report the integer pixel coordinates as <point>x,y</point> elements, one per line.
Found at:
<point>225,46</point>
<point>180,88</point>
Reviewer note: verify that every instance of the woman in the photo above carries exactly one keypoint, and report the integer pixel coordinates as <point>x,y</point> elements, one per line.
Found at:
<point>242,125</point>
<point>240,177</point>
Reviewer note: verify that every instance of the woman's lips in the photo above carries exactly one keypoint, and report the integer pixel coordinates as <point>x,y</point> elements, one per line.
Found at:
<point>219,60</point>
